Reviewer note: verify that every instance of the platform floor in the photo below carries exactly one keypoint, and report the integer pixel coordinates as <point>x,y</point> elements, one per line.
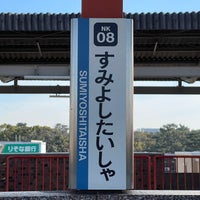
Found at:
<point>103,195</point>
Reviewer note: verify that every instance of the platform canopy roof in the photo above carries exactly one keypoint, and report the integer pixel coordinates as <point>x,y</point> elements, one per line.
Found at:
<point>166,46</point>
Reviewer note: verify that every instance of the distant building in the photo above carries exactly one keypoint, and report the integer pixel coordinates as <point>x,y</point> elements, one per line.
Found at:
<point>149,130</point>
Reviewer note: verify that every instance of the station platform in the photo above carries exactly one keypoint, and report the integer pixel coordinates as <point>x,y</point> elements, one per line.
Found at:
<point>103,195</point>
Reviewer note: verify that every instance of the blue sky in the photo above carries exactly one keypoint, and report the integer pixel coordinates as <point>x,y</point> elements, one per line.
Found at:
<point>70,6</point>
<point>150,111</point>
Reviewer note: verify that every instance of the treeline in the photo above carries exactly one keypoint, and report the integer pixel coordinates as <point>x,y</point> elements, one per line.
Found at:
<point>169,139</point>
<point>57,138</point>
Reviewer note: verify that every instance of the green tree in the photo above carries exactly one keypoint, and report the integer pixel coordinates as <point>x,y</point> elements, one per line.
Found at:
<point>192,142</point>
<point>143,141</point>
<point>7,132</point>
<point>172,138</point>
<point>57,138</point>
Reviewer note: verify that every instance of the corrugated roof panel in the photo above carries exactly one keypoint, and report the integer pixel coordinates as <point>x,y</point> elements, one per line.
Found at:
<point>2,23</point>
<point>136,18</point>
<point>35,22</point>
<point>8,22</point>
<point>62,22</point>
<point>181,19</point>
<point>156,24</point>
<point>188,21</point>
<point>166,21</point>
<point>158,37</point>
<point>194,21</point>
<point>149,21</point>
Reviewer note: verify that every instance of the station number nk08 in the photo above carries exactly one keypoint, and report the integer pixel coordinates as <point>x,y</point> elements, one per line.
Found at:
<point>105,34</point>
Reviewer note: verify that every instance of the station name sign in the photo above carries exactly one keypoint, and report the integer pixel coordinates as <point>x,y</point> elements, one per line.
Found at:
<point>101,102</point>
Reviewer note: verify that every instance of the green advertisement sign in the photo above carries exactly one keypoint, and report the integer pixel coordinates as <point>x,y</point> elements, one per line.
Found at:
<point>18,148</point>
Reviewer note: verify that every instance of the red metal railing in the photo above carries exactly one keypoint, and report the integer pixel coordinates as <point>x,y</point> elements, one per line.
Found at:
<point>177,172</point>
<point>50,172</point>
<point>37,173</point>
<point>142,172</point>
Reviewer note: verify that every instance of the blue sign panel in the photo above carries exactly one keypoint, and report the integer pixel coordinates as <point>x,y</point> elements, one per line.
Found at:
<point>83,107</point>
